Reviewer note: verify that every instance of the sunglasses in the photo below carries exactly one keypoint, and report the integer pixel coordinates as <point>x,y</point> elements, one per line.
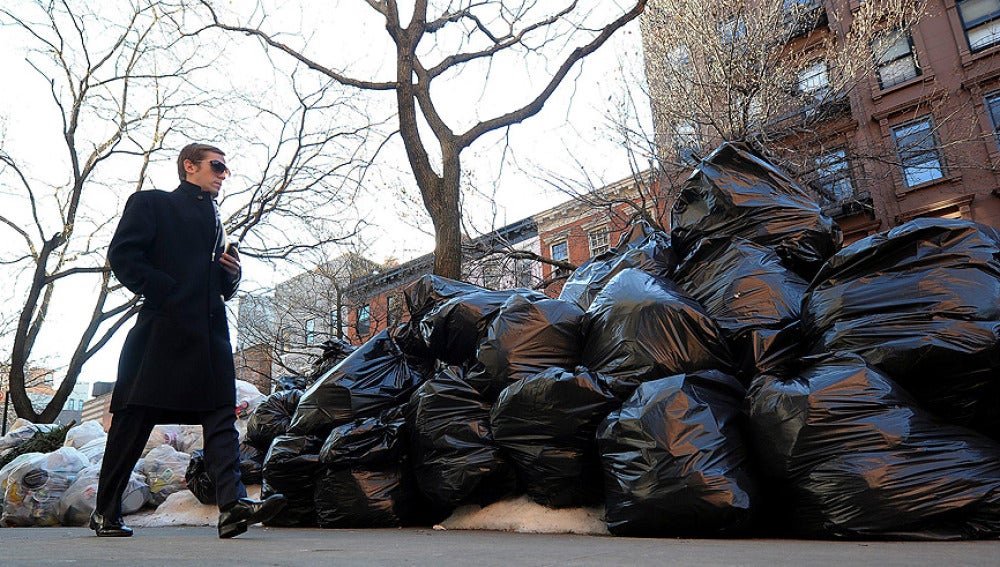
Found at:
<point>218,167</point>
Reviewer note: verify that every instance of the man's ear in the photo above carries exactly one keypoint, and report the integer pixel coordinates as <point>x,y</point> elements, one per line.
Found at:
<point>189,166</point>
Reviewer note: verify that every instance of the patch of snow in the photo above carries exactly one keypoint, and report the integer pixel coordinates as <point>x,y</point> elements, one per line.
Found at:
<point>182,509</point>
<point>523,515</point>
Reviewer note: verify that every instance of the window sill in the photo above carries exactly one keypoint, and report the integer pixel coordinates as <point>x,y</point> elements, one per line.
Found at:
<point>969,57</point>
<point>919,79</point>
<point>946,180</point>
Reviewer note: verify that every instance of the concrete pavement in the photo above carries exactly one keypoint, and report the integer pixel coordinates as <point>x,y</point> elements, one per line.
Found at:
<point>199,546</point>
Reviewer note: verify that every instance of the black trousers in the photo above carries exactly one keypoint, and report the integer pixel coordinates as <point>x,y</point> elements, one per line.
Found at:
<point>130,430</point>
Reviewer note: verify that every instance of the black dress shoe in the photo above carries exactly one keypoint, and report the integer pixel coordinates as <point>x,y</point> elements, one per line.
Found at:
<point>106,527</point>
<point>235,519</point>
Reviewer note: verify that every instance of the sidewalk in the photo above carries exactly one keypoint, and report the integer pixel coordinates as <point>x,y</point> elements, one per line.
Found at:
<point>199,546</point>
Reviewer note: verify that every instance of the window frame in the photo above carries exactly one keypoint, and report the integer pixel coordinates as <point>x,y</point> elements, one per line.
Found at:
<point>365,309</point>
<point>732,30</point>
<point>840,172</point>
<point>685,139</point>
<point>820,90</point>
<point>994,117</point>
<point>936,151</point>
<point>599,232</point>
<point>980,22</point>
<point>552,250</point>
<point>911,55</point>
<point>310,328</point>
<point>393,310</point>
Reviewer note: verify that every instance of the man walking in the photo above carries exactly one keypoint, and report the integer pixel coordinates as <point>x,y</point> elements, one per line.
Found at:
<point>176,365</point>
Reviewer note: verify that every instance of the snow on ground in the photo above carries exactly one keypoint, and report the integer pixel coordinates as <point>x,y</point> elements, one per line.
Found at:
<point>525,516</point>
<point>182,509</point>
<point>517,515</point>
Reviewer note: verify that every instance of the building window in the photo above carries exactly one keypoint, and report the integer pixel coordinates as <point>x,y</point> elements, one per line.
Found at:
<point>492,271</point>
<point>560,251</point>
<point>833,176</point>
<point>524,273</point>
<point>599,240</point>
<point>686,143</point>
<point>981,21</point>
<point>917,147</point>
<point>394,310</point>
<point>993,107</point>
<point>310,331</point>
<point>732,30</point>
<point>814,79</point>
<point>895,60</point>
<point>364,320</point>
<point>679,58</point>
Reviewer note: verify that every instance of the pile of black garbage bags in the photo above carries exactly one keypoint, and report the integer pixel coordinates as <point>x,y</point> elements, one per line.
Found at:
<point>741,376</point>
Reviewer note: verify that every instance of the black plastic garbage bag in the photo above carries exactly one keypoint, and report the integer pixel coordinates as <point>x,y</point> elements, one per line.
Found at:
<point>754,299</point>
<point>271,418</point>
<point>454,329</point>
<point>367,482</point>
<point>201,484</point>
<point>421,297</point>
<point>642,247</point>
<point>920,302</point>
<point>358,497</point>
<point>734,192</point>
<point>430,291</point>
<point>546,424</point>
<point>527,337</point>
<point>641,328</point>
<point>675,460</point>
<point>290,468</point>
<point>454,456</point>
<point>290,382</point>
<point>197,479</point>
<point>251,464</point>
<point>860,458</point>
<point>373,378</point>
<point>334,351</point>
<point>366,442</point>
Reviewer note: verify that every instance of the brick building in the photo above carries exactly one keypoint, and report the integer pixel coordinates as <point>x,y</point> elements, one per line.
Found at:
<point>577,230</point>
<point>358,308</point>
<point>378,300</point>
<point>914,136</point>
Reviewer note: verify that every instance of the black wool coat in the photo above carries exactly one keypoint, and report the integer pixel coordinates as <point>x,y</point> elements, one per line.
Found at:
<point>178,356</point>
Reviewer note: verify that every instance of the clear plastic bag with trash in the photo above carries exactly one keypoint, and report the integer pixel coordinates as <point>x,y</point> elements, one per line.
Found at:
<point>34,486</point>
<point>164,469</point>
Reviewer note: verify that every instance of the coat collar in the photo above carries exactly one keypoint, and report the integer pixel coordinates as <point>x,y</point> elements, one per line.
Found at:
<point>191,190</point>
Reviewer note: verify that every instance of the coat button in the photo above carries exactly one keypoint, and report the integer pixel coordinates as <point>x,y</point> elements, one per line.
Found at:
<point>201,197</point>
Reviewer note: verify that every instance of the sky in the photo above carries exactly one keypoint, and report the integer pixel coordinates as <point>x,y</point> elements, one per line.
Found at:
<point>573,128</point>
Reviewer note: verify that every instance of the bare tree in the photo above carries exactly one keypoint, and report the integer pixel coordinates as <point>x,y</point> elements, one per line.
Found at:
<point>126,91</point>
<point>289,325</point>
<point>437,42</point>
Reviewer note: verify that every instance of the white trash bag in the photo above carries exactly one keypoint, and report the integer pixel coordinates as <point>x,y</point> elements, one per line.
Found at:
<point>95,449</point>
<point>34,487</point>
<point>164,469</point>
<point>248,397</point>
<point>80,499</point>
<point>80,435</point>
<point>183,438</point>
